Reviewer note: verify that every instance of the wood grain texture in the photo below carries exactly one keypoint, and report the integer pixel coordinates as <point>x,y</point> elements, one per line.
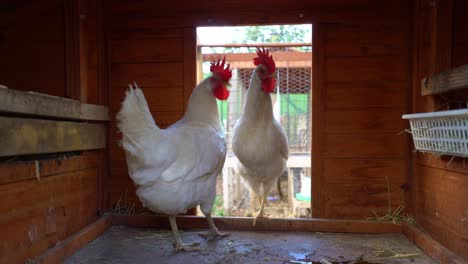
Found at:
<point>444,82</point>
<point>377,68</point>
<point>364,121</point>
<point>20,136</point>
<point>147,74</point>
<point>26,170</point>
<point>364,146</point>
<point>430,246</point>
<point>365,93</point>
<point>147,50</point>
<point>362,95</point>
<point>35,215</point>
<point>438,184</point>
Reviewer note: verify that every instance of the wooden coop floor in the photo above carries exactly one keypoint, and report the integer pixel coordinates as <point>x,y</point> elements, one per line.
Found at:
<point>122,244</point>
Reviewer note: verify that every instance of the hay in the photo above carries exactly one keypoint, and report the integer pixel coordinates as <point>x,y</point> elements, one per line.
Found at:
<point>395,216</point>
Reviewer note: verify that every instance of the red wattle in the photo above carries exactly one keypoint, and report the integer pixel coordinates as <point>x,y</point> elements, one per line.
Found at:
<point>221,92</point>
<point>269,85</point>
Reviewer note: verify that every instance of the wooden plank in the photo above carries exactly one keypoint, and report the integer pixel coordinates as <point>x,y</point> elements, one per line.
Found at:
<point>20,136</point>
<point>160,99</point>
<point>147,50</point>
<point>363,95</point>
<point>67,247</point>
<point>447,81</point>
<point>148,74</point>
<point>361,200</point>
<point>348,40</point>
<point>363,146</point>
<point>207,13</point>
<point>366,171</point>
<point>318,116</point>
<point>37,104</point>
<point>381,68</point>
<point>190,62</point>
<point>364,121</point>
<point>430,246</point>
<point>26,170</point>
<point>264,224</point>
<point>358,186</point>
<point>35,215</point>
<point>440,197</point>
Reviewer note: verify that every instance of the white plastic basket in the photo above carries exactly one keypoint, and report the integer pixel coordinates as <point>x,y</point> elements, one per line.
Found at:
<point>444,132</point>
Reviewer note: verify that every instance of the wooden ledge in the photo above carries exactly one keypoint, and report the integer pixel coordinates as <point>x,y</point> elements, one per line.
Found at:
<point>270,224</point>
<point>74,243</point>
<point>448,81</point>
<point>24,136</point>
<point>430,246</point>
<point>37,104</point>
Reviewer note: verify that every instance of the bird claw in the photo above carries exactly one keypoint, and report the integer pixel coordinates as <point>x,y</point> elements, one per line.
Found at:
<point>258,216</point>
<point>210,235</point>
<point>188,247</point>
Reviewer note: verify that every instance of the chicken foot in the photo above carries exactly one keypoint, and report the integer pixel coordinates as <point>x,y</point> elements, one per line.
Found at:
<point>179,245</point>
<point>214,232</point>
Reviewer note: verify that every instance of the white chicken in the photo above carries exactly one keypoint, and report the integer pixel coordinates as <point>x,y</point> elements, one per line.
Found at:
<point>175,169</point>
<point>259,141</point>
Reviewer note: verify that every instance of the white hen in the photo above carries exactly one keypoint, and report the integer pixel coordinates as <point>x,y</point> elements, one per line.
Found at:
<point>259,141</point>
<point>175,169</point>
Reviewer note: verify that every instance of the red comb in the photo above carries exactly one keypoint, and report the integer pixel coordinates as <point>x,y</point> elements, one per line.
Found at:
<point>265,59</point>
<point>218,68</point>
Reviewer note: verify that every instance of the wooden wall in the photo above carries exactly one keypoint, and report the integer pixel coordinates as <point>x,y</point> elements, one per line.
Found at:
<point>362,78</point>
<point>439,186</point>
<point>46,47</point>
<point>162,62</point>
<point>52,47</point>
<point>363,84</point>
<point>37,213</point>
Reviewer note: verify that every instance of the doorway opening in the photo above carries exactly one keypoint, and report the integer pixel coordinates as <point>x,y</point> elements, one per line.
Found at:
<point>291,48</point>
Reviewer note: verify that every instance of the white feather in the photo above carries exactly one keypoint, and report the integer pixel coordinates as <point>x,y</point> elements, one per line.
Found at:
<point>175,168</point>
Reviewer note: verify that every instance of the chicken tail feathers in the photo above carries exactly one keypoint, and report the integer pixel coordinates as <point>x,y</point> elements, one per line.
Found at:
<point>135,121</point>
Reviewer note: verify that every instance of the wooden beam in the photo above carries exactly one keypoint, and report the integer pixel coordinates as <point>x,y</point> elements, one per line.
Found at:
<point>37,104</point>
<point>21,136</point>
<point>256,45</point>
<point>431,247</point>
<point>264,224</point>
<point>72,244</point>
<point>452,80</point>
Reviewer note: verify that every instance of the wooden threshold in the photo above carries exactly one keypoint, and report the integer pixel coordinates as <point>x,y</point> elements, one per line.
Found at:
<point>43,105</point>
<point>430,246</point>
<point>72,244</point>
<point>265,224</point>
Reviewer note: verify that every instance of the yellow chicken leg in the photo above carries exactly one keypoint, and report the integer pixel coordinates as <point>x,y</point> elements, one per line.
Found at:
<point>260,212</point>
<point>214,232</point>
<point>179,245</point>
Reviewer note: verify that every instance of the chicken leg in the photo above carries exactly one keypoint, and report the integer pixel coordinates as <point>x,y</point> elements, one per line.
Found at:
<point>260,212</point>
<point>214,232</point>
<point>179,245</point>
